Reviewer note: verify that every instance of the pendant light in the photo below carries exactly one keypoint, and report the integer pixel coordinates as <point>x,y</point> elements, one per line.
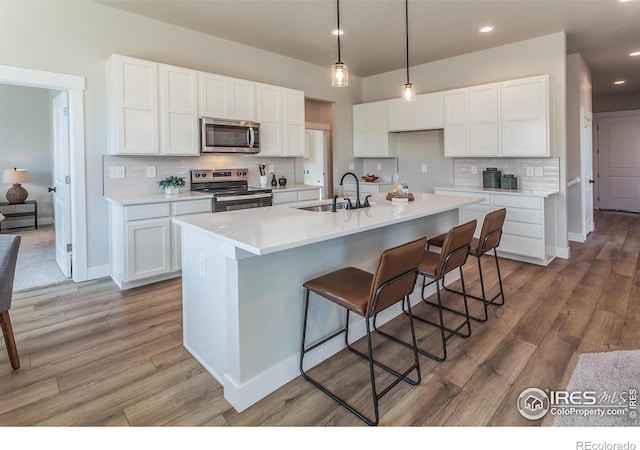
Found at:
<point>339,71</point>
<point>408,90</point>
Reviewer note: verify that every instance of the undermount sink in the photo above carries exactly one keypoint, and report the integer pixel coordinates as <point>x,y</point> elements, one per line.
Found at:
<point>319,208</point>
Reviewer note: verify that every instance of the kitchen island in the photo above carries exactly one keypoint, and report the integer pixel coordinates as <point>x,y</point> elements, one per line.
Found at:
<point>243,273</point>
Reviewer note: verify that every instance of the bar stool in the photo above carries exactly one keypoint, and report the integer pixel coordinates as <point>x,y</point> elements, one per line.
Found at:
<point>488,240</point>
<point>9,247</point>
<point>434,266</point>
<point>366,294</point>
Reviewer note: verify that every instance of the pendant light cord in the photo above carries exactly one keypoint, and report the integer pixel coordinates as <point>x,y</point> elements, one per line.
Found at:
<point>338,14</point>
<point>406,15</point>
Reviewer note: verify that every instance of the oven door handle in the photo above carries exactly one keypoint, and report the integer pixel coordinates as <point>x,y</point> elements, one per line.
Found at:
<point>231,198</point>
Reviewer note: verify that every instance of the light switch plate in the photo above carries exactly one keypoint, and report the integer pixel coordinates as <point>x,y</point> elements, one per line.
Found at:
<point>116,172</point>
<point>151,171</point>
<point>352,166</point>
<point>424,168</point>
<point>378,166</point>
<point>474,170</point>
<point>271,168</point>
<point>538,171</point>
<point>530,171</point>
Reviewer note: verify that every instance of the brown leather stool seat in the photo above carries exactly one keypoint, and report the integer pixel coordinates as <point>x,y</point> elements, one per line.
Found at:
<point>435,266</point>
<point>488,240</point>
<point>366,294</point>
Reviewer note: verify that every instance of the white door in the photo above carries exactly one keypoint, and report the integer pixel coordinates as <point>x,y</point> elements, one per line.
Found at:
<point>61,183</point>
<point>586,163</point>
<point>619,163</point>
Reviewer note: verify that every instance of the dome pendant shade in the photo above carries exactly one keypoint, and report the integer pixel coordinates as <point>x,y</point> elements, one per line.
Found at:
<point>408,92</point>
<point>339,75</point>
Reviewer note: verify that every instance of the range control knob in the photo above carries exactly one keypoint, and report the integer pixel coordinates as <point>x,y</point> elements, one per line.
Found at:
<point>197,175</point>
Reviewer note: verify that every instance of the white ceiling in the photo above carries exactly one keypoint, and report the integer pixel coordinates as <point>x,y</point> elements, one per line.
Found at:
<point>603,31</point>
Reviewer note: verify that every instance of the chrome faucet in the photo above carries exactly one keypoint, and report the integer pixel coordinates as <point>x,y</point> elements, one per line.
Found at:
<point>358,204</point>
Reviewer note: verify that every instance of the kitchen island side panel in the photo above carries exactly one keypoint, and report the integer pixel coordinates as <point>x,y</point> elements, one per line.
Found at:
<point>243,322</point>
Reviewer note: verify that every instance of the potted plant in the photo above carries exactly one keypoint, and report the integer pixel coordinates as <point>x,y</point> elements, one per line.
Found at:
<point>171,184</point>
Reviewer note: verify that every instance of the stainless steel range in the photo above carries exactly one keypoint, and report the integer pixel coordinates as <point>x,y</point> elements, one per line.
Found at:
<point>230,189</point>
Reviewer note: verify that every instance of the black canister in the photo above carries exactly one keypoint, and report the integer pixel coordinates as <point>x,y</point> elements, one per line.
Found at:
<point>491,178</point>
<point>508,182</point>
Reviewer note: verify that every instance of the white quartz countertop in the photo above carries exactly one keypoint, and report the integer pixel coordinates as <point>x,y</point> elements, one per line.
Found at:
<point>140,199</point>
<point>472,189</point>
<point>272,229</point>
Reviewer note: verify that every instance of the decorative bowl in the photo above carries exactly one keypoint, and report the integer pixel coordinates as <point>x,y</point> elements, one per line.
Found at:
<point>369,178</point>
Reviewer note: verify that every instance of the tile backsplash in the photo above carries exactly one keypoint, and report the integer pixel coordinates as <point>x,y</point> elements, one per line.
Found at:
<point>136,181</point>
<point>541,174</point>
<point>384,168</point>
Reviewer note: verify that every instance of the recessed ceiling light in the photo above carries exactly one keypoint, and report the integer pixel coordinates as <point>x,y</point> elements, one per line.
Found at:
<point>634,54</point>
<point>619,82</point>
<point>337,32</point>
<point>624,1</point>
<point>486,29</point>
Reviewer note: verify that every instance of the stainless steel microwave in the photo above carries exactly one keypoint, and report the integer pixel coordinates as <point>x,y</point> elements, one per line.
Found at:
<point>229,136</point>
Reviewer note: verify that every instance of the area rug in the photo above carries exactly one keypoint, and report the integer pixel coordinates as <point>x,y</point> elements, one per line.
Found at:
<point>605,388</point>
<point>36,266</point>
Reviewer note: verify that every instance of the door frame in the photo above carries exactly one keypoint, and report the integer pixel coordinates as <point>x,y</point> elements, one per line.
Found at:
<point>596,146</point>
<point>75,86</point>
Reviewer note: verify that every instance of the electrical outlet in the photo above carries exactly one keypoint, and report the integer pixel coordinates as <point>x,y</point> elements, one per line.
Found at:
<point>538,171</point>
<point>474,170</point>
<point>378,166</point>
<point>151,171</point>
<point>352,166</point>
<point>116,172</point>
<point>424,168</point>
<point>202,265</point>
<point>530,171</point>
<point>272,169</point>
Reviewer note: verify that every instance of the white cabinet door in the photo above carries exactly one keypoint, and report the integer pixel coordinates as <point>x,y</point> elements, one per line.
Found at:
<point>483,120</point>
<point>134,105</point>
<point>178,110</point>
<point>269,104</point>
<point>215,95</point>
<point>148,244</point>
<point>243,100</point>
<point>429,111</point>
<point>456,125</point>
<point>361,129</point>
<point>400,115</point>
<point>525,117</point>
<point>370,135</point>
<point>293,122</point>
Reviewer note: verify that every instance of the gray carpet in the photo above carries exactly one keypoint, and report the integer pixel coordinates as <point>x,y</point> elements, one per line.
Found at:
<point>613,376</point>
<point>36,266</point>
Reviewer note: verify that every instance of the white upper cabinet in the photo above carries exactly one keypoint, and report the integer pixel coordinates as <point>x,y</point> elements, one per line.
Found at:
<point>282,120</point>
<point>429,111</point>
<point>456,123</point>
<point>133,102</point>
<point>226,98</point>
<point>370,134</point>
<point>178,110</point>
<point>294,122</point>
<point>525,117</point>
<point>483,120</point>
<point>400,115</point>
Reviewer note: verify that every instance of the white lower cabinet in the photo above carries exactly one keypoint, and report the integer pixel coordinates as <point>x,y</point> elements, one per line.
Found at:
<point>283,196</point>
<point>145,245</point>
<point>528,233</point>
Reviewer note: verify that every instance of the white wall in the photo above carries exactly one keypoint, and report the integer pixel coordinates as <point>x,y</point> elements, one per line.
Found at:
<point>542,55</point>
<point>76,38</point>
<point>25,143</point>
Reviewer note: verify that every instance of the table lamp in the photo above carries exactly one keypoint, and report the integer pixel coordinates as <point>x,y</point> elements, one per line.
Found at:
<point>16,193</point>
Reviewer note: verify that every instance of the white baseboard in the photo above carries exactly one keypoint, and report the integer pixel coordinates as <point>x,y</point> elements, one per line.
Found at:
<point>95,272</point>
<point>562,252</point>
<point>577,237</point>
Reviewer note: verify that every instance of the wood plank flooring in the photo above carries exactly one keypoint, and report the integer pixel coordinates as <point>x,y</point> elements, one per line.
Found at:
<point>92,355</point>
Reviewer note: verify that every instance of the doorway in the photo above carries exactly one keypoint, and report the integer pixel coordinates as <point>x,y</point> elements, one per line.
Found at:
<point>618,159</point>
<point>74,87</point>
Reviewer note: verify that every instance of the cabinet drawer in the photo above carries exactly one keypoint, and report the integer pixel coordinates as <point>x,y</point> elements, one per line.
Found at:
<point>191,207</point>
<point>524,215</point>
<point>469,213</point>
<point>522,229</point>
<point>285,197</point>
<point>150,211</point>
<point>517,201</point>
<point>520,245</point>
<point>486,197</point>
<point>311,194</point>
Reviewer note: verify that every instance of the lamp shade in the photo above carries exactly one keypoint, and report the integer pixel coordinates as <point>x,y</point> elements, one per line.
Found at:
<point>15,176</point>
